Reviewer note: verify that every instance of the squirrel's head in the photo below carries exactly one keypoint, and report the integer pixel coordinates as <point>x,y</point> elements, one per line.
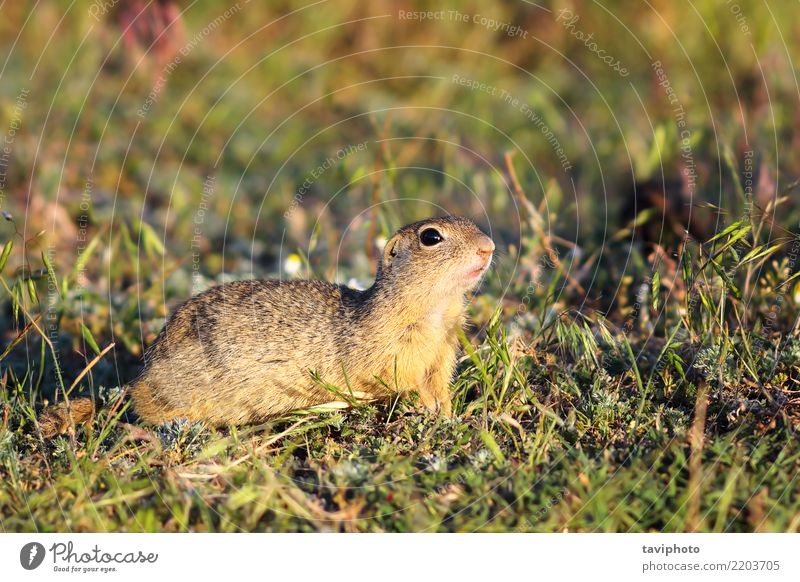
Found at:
<point>447,255</point>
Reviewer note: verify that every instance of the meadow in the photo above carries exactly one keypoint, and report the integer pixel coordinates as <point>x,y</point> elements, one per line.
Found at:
<point>632,361</point>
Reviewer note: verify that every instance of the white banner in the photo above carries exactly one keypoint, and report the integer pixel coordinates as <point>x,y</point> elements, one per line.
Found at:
<point>370,557</point>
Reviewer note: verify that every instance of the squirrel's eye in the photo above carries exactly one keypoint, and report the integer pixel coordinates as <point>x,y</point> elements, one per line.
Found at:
<point>430,237</point>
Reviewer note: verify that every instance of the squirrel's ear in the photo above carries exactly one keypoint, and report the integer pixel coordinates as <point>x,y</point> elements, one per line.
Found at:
<point>390,250</point>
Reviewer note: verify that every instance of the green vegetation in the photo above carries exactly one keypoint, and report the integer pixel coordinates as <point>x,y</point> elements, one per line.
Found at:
<point>612,380</point>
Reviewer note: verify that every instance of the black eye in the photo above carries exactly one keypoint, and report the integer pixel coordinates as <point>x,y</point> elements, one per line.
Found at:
<point>430,237</point>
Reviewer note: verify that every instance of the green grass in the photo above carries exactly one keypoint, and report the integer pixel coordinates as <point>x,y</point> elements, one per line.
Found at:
<point>608,383</point>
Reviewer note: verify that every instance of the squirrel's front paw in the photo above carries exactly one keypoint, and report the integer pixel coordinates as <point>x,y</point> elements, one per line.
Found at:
<point>438,407</point>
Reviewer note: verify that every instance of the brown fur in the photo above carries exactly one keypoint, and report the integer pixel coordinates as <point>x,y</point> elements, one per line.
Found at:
<point>245,351</point>
<point>62,417</point>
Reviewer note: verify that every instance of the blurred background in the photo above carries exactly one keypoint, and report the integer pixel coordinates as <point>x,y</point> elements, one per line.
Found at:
<point>153,148</point>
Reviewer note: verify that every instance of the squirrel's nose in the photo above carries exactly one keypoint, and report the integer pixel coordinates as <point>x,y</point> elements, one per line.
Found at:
<point>485,246</point>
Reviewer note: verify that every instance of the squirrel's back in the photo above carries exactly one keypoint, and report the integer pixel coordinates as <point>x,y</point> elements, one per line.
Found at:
<point>238,352</point>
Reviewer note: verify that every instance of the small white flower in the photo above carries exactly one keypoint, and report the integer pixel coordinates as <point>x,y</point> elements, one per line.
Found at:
<point>292,264</point>
<point>354,283</point>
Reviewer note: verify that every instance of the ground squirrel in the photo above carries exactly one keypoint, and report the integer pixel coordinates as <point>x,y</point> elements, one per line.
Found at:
<point>245,351</point>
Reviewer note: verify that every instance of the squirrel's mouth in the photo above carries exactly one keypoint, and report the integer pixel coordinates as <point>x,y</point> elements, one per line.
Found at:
<point>476,272</point>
